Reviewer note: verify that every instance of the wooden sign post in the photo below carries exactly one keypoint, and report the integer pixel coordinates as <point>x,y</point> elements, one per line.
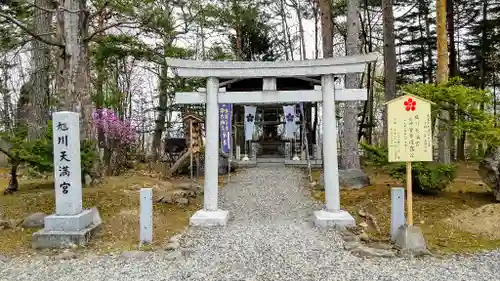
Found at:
<point>409,136</point>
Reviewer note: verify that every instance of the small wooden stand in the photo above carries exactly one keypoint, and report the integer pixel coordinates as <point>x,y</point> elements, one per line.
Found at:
<point>192,133</point>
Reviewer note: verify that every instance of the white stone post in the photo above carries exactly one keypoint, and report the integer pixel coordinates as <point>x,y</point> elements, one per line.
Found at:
<point>397,210</point>
<point>211,215</point>
<point>70,225</point>
<point>146,215</point>
<point>332,215</point>
<point>67,163</point>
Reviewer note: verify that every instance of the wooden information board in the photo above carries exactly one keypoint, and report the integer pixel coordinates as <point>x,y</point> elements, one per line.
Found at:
<point>409,129</point>
<point>409,136</point>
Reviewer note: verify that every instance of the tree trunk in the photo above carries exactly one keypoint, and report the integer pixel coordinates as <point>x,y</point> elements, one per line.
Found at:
<point>364,129</point>
<point>442,78</point>
<point>287,30</point>
<point>316,22</point>
<point>453,66</point>
<point>284,26</point>
<point>430,59</point>
<point>326,28</point>
<point>484,47</point>
<point>22,113</point>
<point>371,99</point>
<point>389,58</point>
<point>73,73</point>
<point>7,117</point>
<point>442,42</point>
<point>13,183</point>
<point>301,31</point>
<point>482,57</point>
<point>99,90</point>
<point>326,35</point>
<point>350,149</point>
<point>162,113</point>
<point>423,69</point>
<point>41,62</point>
<point>450,23</point>
<point>461,147</point>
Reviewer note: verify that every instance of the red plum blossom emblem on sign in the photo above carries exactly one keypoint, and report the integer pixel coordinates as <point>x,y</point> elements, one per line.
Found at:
<point>410,104</point>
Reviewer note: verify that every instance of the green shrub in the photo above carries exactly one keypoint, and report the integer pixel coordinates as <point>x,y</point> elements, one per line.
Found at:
<point>427,177</point>
<point>38,154</point>
<point>375,155</point>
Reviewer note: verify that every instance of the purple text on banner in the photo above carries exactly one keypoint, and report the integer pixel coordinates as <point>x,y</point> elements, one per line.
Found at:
<point>302,109</point>
<point>225,126</point>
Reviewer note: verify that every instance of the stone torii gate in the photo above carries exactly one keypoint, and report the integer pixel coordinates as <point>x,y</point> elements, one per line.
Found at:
<point>211,215</point>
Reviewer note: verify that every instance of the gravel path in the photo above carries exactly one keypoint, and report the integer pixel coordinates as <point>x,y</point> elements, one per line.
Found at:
<point>269,237</point>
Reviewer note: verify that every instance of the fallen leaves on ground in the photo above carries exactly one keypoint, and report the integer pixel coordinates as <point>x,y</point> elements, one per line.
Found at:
<point>483,221</point>
<point>117,200</point>
<point>442,217</point>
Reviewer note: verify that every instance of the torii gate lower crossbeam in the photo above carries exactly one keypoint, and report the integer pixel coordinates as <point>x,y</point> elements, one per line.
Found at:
<point>211,215</point>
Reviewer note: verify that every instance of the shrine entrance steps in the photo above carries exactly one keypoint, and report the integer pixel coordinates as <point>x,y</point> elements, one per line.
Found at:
<point>278,162</point>
<point>270,162</point>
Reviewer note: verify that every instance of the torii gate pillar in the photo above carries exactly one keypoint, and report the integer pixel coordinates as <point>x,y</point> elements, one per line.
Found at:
<point>211,215</point>
<point>332,215</point>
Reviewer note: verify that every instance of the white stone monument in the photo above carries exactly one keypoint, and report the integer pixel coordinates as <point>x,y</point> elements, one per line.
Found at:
<point>70,225</point>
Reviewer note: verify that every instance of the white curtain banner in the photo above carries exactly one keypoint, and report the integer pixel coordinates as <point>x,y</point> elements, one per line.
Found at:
<point>249,121</point>
<point>290,125</point>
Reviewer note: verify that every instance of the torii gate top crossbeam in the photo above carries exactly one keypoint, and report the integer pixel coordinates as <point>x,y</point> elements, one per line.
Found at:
<point>250,69</point>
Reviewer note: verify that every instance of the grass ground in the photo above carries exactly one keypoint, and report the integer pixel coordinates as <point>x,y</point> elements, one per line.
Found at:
<point>434,214</point>
<point>118,202</point>
<point>117,199</point>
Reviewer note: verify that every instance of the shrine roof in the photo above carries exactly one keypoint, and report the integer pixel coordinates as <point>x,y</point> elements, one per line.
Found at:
<point>192,116</point>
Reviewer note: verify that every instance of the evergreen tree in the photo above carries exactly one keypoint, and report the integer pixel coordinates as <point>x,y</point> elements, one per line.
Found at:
<point>256,43</point>
<point>416,41</point>
<point>482,44</point>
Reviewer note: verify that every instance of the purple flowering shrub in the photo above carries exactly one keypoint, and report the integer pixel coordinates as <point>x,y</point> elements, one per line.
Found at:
<point>119,138</point>
<point>115,130</point>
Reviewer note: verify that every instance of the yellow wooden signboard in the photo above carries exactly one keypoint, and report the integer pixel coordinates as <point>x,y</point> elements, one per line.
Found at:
<point>410,136</point>
<point>409,129</point>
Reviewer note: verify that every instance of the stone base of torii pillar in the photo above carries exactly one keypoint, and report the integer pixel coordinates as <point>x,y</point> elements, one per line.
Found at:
<point>326,219</point>
<point>206,218</point>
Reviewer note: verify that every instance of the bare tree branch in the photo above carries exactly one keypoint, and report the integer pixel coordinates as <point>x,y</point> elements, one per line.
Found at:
<point>101,10</point>
<point>101,30</point>
<point>50,10</point>
<point>27,30</point>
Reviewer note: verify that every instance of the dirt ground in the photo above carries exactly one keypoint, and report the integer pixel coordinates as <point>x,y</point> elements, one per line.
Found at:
<point>484,221</point>
<point>464,218</point>
<point>117,200</point>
